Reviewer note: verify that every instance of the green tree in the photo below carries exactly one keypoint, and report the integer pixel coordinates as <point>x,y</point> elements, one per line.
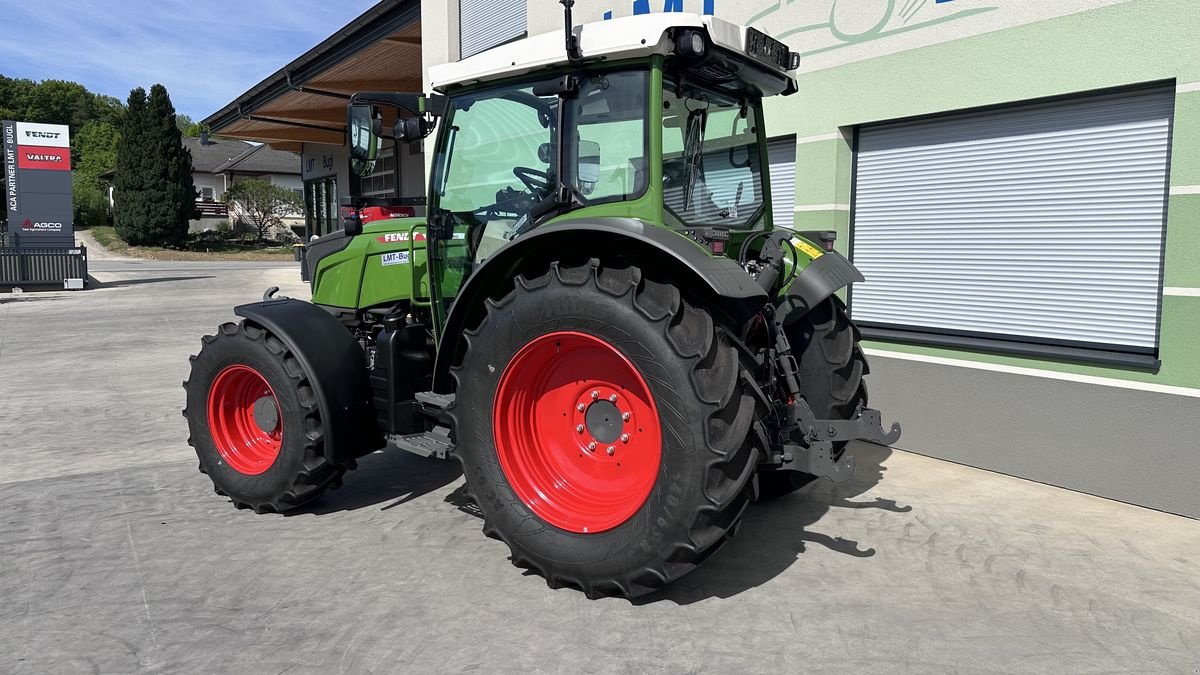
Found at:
<point>132,183</point>
<point>61,102</point>
<point>14,98</point>
<point>155,196</point>
<point>96,146</point>
<point>154,191</point>
<point>262,203</point>
<point>189,127</point>
<point>180,186</point>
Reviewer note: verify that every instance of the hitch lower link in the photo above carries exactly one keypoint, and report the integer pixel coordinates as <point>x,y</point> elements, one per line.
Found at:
<point>816,455</point>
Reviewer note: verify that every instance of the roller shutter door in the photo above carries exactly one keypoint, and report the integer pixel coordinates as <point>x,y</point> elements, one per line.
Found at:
<point>483,24</point>
<point>1042,223</point>
<point>781,153</point>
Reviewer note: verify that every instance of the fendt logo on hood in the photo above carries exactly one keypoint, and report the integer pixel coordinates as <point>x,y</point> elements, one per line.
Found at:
<point>30,226</point>
<point>43,134</point>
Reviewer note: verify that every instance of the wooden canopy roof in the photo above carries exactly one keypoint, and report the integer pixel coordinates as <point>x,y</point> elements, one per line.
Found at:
<point>305,101</point>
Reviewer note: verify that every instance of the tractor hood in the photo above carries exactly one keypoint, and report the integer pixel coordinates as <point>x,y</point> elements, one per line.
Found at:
<point>625,38</point>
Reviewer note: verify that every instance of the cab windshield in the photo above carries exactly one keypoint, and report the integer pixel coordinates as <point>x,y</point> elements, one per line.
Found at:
<point>711,170</point>
<point>497,165</point>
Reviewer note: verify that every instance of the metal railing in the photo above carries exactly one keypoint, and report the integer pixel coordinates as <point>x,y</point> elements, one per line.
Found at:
<point>212,209</point>
<point>33,266</point>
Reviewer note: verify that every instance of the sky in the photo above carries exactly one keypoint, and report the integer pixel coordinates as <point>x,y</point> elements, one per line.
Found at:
<point>206,52</point>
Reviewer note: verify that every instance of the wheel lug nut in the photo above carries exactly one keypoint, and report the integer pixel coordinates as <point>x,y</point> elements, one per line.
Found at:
<point>625,416</point>
<point>611,451</point>
<point>613,398</point>
<point>595,395</point>
<point>579,429</point>
<point>624,438</point>
<point>592,445</point>
<point>581,407</point>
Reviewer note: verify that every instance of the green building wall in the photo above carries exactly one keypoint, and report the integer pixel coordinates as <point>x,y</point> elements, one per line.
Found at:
<point>1123,44</point>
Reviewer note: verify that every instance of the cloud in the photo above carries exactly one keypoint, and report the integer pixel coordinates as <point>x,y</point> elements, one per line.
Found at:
<point>206,53</point>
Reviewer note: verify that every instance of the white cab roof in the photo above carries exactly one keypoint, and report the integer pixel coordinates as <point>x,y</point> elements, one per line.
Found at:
<point>613,40</point>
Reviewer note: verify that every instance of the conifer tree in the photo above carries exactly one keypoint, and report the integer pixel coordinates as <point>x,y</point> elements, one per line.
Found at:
<point>155,196</point>
<point>129,183</point>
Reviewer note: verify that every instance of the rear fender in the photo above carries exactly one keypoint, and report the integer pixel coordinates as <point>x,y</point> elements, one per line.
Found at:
<point>827,274</point>
<point>719,281</point>
<point>336,368</point>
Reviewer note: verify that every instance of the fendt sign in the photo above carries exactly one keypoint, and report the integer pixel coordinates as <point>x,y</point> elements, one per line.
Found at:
<point>37,184</point>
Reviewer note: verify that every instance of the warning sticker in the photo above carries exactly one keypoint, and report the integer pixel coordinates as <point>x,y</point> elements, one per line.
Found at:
<point>398,258</point>
<point>808,249</point>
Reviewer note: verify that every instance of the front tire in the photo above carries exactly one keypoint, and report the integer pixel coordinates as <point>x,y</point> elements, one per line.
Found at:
<point>604,429</point>
<point>255,423</point>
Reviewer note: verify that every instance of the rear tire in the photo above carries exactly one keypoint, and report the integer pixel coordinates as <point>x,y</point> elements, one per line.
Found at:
<point>695,452</point>
<point>832,366</point>
<point>255,423</point>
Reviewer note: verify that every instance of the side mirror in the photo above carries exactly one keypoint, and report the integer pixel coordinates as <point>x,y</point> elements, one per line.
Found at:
<point>363,130</point>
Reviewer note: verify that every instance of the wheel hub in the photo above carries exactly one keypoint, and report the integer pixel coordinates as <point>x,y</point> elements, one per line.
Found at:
<point>244,419</point>
<point>576,432</point>
<point>599,417</point>
<point>266,414</point>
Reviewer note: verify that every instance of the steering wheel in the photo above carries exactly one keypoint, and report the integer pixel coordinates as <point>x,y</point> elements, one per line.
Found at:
<point>537,182</point>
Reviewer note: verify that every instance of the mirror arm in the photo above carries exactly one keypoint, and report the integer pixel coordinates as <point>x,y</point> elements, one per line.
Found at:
<point>414,104</point>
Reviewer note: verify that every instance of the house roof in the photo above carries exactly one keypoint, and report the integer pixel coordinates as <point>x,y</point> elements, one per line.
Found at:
<point>262,159</point>
<point>208,158</point>
<point>221,155</point>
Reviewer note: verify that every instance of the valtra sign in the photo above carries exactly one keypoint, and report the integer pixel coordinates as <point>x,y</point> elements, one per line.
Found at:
<point>51,159</point>
<point>37,186</point>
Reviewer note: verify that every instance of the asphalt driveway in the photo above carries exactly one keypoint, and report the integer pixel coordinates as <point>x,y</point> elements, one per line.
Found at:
<point>116,556</point>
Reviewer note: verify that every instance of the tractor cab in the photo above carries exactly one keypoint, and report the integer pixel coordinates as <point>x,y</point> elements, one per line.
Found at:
<point>654,117</point>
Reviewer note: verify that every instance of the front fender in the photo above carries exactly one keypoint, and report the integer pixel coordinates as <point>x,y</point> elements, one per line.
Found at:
<point>719,280</point>
<point>335,366</point>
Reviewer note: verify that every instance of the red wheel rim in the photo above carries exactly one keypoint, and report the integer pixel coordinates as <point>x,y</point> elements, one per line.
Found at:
<point>237,427</point>
<point>577,432</point>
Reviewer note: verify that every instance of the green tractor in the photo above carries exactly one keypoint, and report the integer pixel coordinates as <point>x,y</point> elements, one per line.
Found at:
<point>598,318</point>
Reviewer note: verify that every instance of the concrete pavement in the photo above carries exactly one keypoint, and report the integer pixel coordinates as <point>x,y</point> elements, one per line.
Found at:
<point>116,556</point>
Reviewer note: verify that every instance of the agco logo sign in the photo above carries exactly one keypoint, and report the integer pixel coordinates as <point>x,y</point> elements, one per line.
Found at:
<point>30,226</point>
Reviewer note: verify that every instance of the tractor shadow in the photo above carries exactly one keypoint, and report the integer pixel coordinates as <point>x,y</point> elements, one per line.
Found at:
<point>94,283</point>
<point>773,535</point>
<point>386,479</point>
<point>776,534</point>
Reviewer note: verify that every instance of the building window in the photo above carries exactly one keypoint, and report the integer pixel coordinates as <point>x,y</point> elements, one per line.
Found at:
<point>484,24</point>
<point>1038,227</point>
<point>206,194</point>
<point>382,181</point>
<point>781,155</point>
<point>321,214</point>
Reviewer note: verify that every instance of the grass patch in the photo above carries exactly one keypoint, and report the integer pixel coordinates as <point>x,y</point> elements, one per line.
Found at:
<point>200,246</point>
<point>107,237</point>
